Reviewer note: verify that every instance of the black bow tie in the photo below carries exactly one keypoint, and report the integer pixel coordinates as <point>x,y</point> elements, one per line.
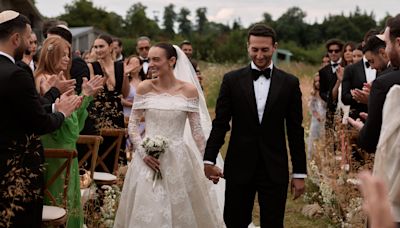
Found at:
<point>335,64</point>
<point>145,60</point>
<point>367,65</point>
<point>257,73</point>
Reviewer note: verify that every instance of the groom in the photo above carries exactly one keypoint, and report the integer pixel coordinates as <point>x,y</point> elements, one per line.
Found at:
<point>260,100</point>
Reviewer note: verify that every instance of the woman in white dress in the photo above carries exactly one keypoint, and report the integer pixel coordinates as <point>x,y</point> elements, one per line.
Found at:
<point>183,197</point>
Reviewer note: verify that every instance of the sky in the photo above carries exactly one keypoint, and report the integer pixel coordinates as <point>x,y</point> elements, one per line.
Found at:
<point>226,11</point>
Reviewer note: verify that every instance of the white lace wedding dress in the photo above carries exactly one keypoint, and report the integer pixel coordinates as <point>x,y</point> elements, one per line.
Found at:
<point>183,197</point>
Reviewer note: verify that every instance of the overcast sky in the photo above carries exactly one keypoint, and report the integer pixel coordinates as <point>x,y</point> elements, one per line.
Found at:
<point>225,11</point>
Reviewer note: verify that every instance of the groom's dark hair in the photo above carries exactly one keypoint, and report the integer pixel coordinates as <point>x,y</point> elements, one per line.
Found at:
<point>262,30</point>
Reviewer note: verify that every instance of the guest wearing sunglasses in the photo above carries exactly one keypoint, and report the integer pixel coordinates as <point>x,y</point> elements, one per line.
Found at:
<point>330,78</point>
<point>143,45</point>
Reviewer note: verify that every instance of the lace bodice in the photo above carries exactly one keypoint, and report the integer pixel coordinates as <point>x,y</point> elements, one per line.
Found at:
<point>166,115</point>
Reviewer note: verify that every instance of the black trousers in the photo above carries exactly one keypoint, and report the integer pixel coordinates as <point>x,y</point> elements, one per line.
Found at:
<point>239,202</point>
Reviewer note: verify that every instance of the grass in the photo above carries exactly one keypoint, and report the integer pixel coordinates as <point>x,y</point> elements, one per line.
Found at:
<point>213,74</point>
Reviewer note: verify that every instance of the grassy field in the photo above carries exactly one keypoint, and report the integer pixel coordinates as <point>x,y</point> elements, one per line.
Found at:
<point>213,74</point>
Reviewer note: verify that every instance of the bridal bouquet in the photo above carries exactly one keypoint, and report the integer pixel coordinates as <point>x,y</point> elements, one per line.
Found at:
<point>155,147</point>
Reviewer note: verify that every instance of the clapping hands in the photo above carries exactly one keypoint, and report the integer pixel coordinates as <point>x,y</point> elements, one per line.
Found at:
<point>68,103</point>
<point>91,87</point>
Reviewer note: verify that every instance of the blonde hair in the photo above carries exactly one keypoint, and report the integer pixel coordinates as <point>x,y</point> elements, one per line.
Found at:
<point>52,52</point>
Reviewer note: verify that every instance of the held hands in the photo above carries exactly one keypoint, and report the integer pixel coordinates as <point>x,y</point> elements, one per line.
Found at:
<point>91,87</point>
<point>213,173</point>
<point>297,187</point>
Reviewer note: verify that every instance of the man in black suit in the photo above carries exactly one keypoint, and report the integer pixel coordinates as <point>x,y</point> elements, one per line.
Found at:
<point>329,81</point>
<point>374,51</point>
<point>142,48</point>
<point>259,99</point>
<point>355,77</point>
<point>369,133</point>
<point>117,46</point>
<point>22,120</point>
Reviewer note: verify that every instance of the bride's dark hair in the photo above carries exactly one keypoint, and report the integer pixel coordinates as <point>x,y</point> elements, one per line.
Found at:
<point>170,51</point>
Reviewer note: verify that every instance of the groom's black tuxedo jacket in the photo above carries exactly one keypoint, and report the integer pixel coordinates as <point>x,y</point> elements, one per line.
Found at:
<point>252,143</point>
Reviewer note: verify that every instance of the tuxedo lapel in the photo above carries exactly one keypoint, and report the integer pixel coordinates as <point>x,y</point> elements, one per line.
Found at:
<point>277,80</point>
<point>248,89</point>
<point>361,71</point>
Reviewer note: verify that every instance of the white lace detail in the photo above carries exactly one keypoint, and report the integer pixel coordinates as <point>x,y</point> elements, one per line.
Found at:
<point>133,131</point>
<point>183,198</point>
<point>166,101</point>
<point>197,131</point>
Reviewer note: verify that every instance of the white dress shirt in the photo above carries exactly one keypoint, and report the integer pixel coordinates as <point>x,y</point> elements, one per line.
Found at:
<point>370,73</point>
<point>334,68</point>
<point>8,56</point>
<point>261,89</point>
<point>145,65</point>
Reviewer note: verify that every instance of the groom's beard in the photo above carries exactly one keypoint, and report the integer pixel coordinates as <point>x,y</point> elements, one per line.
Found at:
<point>27,52</point>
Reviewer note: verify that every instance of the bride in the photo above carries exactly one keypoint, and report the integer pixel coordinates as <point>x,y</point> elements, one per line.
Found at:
<point>174,108</point>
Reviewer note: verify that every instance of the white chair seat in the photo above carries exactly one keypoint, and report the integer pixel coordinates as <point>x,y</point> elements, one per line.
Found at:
<point>101,176</point>
<point>52,213</point>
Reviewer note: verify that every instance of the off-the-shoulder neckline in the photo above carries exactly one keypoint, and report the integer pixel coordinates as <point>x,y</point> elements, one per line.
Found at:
<point>167,95</point>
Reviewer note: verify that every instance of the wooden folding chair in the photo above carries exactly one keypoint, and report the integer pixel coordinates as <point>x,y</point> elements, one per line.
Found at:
<point>93,143</point>
<point>56,214</point>
<point>108,177</point>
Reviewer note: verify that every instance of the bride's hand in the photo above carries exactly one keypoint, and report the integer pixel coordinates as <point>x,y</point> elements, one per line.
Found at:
<point>152,162</point>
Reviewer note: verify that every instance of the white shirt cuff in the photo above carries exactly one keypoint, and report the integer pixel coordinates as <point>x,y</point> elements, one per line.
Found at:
<point>299,175</point>
<point>208,163</point>
<point>53,108</point>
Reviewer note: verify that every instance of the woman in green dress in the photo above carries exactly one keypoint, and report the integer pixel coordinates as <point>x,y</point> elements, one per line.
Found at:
<point>55,61</point>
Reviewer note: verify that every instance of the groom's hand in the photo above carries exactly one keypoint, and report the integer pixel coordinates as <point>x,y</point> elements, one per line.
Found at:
<point>298,187</point>
<point>213,173</point>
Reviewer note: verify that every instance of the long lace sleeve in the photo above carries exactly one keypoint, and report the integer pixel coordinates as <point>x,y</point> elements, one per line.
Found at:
<point>197,131</point>
<point>133,130</point>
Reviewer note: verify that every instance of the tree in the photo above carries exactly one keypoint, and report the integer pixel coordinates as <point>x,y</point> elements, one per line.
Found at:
<point>169,20</point>
<point>138,24</point>
<point>83,13</point>
<point>201,19</point>
<point>185,26</point>
<point>291,26</point>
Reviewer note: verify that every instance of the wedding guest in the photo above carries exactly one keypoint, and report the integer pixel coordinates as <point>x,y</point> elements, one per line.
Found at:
<point>348,53</point>
<point>329,80</point>
<point>22,121</point>
<point>30,52</point>
<point>143,45</point>
<point>325,60</point>
<point>369,133</point>
<point>107,110</point>
<point>376,56</point>
<point>376,202</point>
<point>134,80</point>
<point>354,78</point>
<point>187,48</point>
<point>357,53</point>
<point>317,108</point>
<point>79,68</point>
<point>117,45</point>
<point>55,57</point>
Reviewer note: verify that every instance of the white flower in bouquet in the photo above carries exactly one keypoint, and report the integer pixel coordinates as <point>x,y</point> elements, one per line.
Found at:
<point>155,146</point>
